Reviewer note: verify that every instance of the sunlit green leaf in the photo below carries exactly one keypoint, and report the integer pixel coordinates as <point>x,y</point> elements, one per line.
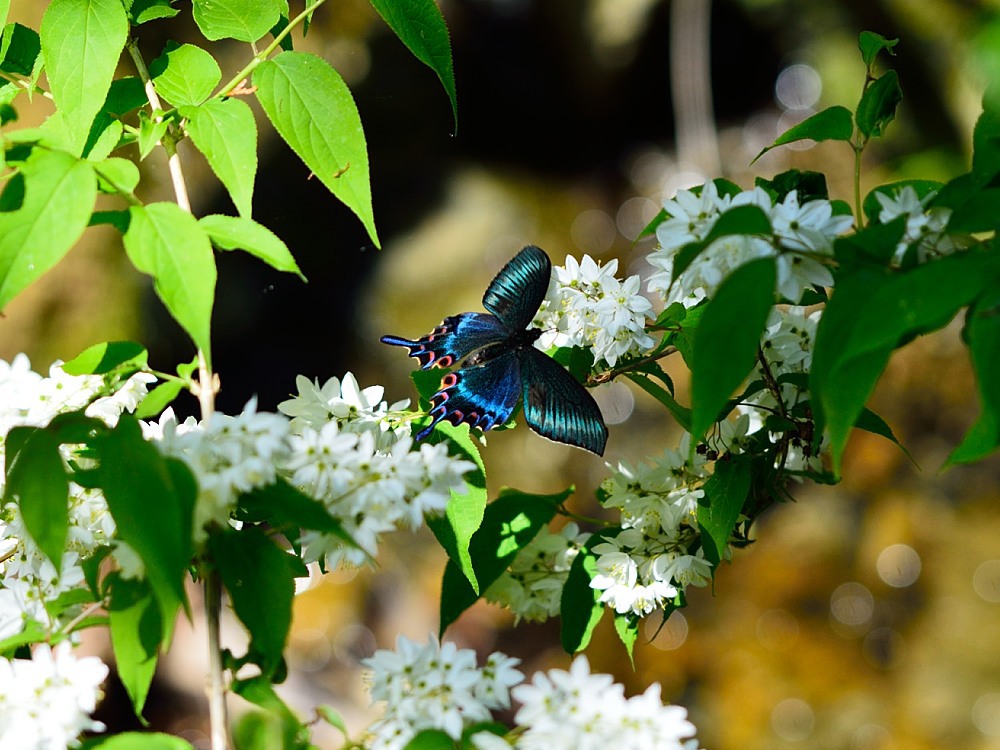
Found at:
<point>224,130</point>
<point>136,631</point>
<point>312,109</point>
<point>105,357</point>
<point>38,483</point>
<point>185,74</point>
<point>243,20</point>
<point>82,41</point>
<point>239,233</point>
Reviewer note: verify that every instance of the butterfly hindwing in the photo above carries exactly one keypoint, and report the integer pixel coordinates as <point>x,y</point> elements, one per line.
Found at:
<point>557,406</point>
<point>482,396</point>
<point>455,338</point>
<point>517,291</point>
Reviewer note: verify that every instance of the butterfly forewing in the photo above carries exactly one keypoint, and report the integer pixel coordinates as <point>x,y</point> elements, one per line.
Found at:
<point>482,396</point>
<point>558,407</point>
<point>516,293</point>
<point>455,338</point>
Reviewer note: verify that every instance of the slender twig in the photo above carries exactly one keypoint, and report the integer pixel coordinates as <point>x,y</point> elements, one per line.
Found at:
<point>207,387</point>
<point>261,56</point>
<point>94,607</point>
<point>25,84</point>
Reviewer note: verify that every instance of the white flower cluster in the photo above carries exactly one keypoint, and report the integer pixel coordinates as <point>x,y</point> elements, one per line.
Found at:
<point>351,452</point>
<point>439,687</point>
<point>46,701</point>
<point>28,579</point>
<point>532,585</point>
<point>787,343</point>
<point>228,455</point>
<point>641,568</point>
<point>926,228</point>
<point>435,686</point>
<point>587,306</point>
<point>801,237</point>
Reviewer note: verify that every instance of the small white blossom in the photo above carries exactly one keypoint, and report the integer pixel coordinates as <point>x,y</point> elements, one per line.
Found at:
<point>925,227</point>
<point>46,702</point>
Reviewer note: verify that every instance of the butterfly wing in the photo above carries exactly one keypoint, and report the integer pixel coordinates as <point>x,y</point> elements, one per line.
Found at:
<point>482,396</point>
<point>556,406</point>
<point>456,337</point>
<point>517,291</point>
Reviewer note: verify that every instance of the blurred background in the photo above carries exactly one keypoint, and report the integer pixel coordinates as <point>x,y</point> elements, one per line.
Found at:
<point>867,616</point>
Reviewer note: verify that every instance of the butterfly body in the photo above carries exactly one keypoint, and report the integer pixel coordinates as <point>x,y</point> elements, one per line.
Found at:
<point>499,364</point>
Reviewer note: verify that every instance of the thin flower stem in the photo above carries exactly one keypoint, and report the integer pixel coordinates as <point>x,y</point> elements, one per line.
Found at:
<point>858,222</point>
<point>94,607</point>
<point>564,511</point>
<point>261,56</point>
<point>26,85</point>
<point>207,387</point>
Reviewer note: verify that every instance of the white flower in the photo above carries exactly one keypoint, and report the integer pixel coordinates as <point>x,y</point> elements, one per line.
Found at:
<point>436,686</point>
<point>585,711</point>
<point>587,306</point>
<point>46,702</point>
<point>925,227</point>
<point>343,400</point>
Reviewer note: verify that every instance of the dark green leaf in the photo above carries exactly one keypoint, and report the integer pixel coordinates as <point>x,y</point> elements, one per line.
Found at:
<point>421,27</point>
<point>808,185</point>
<point>19,49</point>
<point>136,633</point>
<point>877,107</point>
<point>224,130</point>
<point>103,358</point>
<point>167,242</point>
<point>581,608</point>
<point>877,311</point>
<point>509,524</point>
<point>871,44</point>
<point>81,41</point>
<point>980,213</point>
<point>982,335</point>
<point>831,124</point>
<point>282,506</point>
<point>431,739</point>
<point>725,493</point>
<point>875,245</point>
<point>254,570</point>
<point>37,482</point>
<point>312,109</point>
<point>50,184</point>
<point>185,74</point>
<point>144,491</point>
<point>727,339</point>
<point>650,229</point>
<point>681,413</point>
<point>232,233</point>
<point>986,138</point>
<point>242,20</point>
<point>871,422</point>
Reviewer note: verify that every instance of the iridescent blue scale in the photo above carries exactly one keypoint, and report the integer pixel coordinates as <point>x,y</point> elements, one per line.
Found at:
<point>499,364</point>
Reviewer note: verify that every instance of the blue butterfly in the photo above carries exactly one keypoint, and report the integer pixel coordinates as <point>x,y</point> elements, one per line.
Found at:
<point>498,363</point>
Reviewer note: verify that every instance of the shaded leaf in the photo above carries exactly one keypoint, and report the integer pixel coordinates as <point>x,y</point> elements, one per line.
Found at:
<point>718,510</point>
<point>38,483</point>
<point>580,607</point>
<point>105,357</point>
<point>877,107</point>
<point>136,632</point>
<point>830,124</point>
<point>871,44</point>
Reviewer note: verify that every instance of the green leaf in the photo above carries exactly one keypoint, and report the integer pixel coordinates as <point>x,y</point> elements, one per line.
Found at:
<point>82,41</point>
<point>580,607</point>
<point>33,633</point>
<point>258,730</point>
<point>986,138</point>
<point>977,214</point>
<point>118,175</point>
<point>465,510</point>
<point>681,413</point>
<point>725,493</point>
<point>19,49</point>
<point>333,717</point>
<point>875,245</point>
<point>259,691</point>
<point>877,107</point>
<point>741,220</point>
<point>872,312</point>
<point>650,229</point>
<point>140,741</point>
<point>421,27</point>
<point>830,124</point>
<point>282,506</point>
<point>224,130</point>
<point>431,739</point>
<point>49,185</point>
<point>145,490</point>
<point>509,524</point>
<point>4,10</point>
<point>807,185</point>
<point>159,399</point>
<point>105,357</point>
<point>982,335</point>
<point>243,20</point>
<point>727,339</point>
<point>37,481</point>
<point>143,11</point>
<point>150,132</point>
<point>871,44</point>
<point>871,422</point>
<point>254,570</point>
<point>627,627</point>
<point>312,109</point>
<point>185,74</point>
<point>167,242</point>
<point>232,233</point>
<point>136,632</point>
